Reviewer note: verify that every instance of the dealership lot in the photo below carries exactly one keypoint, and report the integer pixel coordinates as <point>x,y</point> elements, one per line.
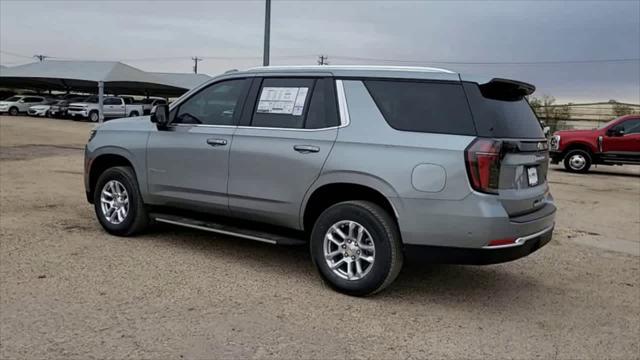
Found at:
<point>67,289</point>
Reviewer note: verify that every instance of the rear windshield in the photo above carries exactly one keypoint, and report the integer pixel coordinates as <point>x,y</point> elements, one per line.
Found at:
<point>511,118</point>
<point>434,107</point>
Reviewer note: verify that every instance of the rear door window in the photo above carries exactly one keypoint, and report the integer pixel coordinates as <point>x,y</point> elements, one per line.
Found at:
<point>432,107</point>
<point>283,103</point>
<point>502,117</point>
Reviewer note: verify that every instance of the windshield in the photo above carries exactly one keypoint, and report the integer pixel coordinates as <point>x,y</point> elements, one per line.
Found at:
<point>13,98</point>
<point>148,101</point>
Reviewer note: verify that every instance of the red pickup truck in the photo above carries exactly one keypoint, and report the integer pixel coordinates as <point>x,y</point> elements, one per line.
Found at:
<point>614,143</point>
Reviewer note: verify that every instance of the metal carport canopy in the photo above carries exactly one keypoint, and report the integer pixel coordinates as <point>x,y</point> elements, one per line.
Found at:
<point>89,76</point>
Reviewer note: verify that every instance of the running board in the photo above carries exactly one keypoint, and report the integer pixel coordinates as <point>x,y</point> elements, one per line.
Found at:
<point>231,230</point>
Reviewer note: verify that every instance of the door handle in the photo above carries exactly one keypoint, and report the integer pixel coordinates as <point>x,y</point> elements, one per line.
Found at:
<point>217,142</point>
<point>305,149</point>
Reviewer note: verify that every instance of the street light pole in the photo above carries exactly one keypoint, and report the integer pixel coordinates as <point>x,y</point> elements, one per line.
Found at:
<point>267,32</point>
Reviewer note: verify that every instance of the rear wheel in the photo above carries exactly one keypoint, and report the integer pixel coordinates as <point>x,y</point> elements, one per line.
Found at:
<point>355,245</point>
<point>118,204</point>
<point>13,111</point>
<point>577,161</point>
<point>133,114</point>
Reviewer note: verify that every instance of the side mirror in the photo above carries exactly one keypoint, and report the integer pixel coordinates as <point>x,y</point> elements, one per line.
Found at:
<point>160,115</point>
<point>617,131</point>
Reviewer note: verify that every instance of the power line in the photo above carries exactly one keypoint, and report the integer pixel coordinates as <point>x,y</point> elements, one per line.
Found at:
<point>15,54</point>
<point>586,61</point>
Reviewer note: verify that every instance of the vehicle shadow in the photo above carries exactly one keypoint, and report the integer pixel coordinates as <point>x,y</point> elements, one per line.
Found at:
<point>450,285</point>
<point>599,172</point>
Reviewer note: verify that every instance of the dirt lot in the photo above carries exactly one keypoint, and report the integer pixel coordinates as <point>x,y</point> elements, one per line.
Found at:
<point>68,290</point>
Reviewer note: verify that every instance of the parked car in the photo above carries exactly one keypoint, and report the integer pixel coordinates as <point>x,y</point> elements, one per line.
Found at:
<point>614,143</point>
<point>114,107</point>
<point>365,165</point>
<point>60,108</point>
<point>20,104</point>
<point>148,104</point>
<point>41,109</point>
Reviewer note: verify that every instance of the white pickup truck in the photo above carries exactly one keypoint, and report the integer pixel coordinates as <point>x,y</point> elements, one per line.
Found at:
<point>114,107</point>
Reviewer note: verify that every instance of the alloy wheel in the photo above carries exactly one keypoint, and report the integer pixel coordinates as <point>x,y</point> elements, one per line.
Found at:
<point>114,202</point>
<point>349,250</point>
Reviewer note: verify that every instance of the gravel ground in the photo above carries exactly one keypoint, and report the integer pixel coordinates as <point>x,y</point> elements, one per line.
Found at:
<point>68,290</point>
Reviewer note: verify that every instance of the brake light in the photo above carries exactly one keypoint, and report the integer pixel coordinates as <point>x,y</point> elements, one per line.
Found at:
<point>483,164</point>
<point>502,242</point>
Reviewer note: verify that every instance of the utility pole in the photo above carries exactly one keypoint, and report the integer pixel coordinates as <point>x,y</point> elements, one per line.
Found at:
<point>40,57</point>
<point>195,63</point>
<point>267,32</point>
<point>323,60</point>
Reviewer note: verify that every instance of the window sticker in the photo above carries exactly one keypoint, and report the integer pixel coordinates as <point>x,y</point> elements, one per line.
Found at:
<point>282,100</point>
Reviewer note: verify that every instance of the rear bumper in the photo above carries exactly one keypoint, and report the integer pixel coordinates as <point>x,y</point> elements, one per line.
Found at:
<point>483,256</point>
<point>472,222</point>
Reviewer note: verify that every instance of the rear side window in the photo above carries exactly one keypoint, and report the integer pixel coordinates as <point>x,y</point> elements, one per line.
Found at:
<point>433,107</point>
<point>502,118</point>
<point>283,103</point>
<point>323,112</point>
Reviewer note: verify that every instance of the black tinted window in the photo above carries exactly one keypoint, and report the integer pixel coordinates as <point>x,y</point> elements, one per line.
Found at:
<point>32,99</point>
<point>423,106</point>
<point>323,112</point>
<point>502,118</point>
<point>630,126</point>
<point>112,101</point>
<point>282,103</point>
<point>214,105</point>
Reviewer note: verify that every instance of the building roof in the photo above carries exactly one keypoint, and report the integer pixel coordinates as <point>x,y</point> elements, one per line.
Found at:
<point>118,78</point>
<point>184,80</point>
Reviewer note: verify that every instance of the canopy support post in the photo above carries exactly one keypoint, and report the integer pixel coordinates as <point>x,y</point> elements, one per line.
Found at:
<point>100,101</point>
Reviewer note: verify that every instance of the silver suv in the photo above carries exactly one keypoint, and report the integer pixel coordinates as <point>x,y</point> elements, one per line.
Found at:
<point>366,165</point>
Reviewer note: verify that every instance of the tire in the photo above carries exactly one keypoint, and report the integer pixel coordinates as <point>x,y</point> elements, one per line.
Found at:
<point>577,161</point>
<point>14,111</point>
<point>94,116</point>
<point>136,218</point>
<point>133,114</point>
<point>380,230</point>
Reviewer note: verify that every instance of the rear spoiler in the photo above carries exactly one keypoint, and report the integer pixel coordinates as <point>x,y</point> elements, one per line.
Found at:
<point>504,89</point>
<point>499,88</point>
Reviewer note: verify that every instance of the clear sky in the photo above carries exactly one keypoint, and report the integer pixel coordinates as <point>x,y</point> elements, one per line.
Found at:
<point>459,35</point>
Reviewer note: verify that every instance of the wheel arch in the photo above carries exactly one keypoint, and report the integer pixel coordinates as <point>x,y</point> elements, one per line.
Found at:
<point>328,193</point>
<point>103,162</point>
<point>579,145</point>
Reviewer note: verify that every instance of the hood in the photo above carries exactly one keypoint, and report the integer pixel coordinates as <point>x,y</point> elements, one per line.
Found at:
<point>79,104</point>
<point>40,106</point>
<point>138,123</point>
<point>572,132</point>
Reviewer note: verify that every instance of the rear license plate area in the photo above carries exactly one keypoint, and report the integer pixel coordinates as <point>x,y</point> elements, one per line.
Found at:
<point>532,175</point>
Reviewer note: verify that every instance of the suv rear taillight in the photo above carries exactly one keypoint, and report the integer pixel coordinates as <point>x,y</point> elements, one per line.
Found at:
<point>483,164</point>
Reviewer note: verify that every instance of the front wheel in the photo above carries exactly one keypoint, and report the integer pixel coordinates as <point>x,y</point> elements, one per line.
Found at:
<point>13,111</point>
<point>94,116</point>
<point>118,204</point>
<point>355,245</point>
<point>578,161</point>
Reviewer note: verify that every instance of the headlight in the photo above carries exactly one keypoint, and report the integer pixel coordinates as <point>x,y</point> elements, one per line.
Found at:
<point>555,142</point>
